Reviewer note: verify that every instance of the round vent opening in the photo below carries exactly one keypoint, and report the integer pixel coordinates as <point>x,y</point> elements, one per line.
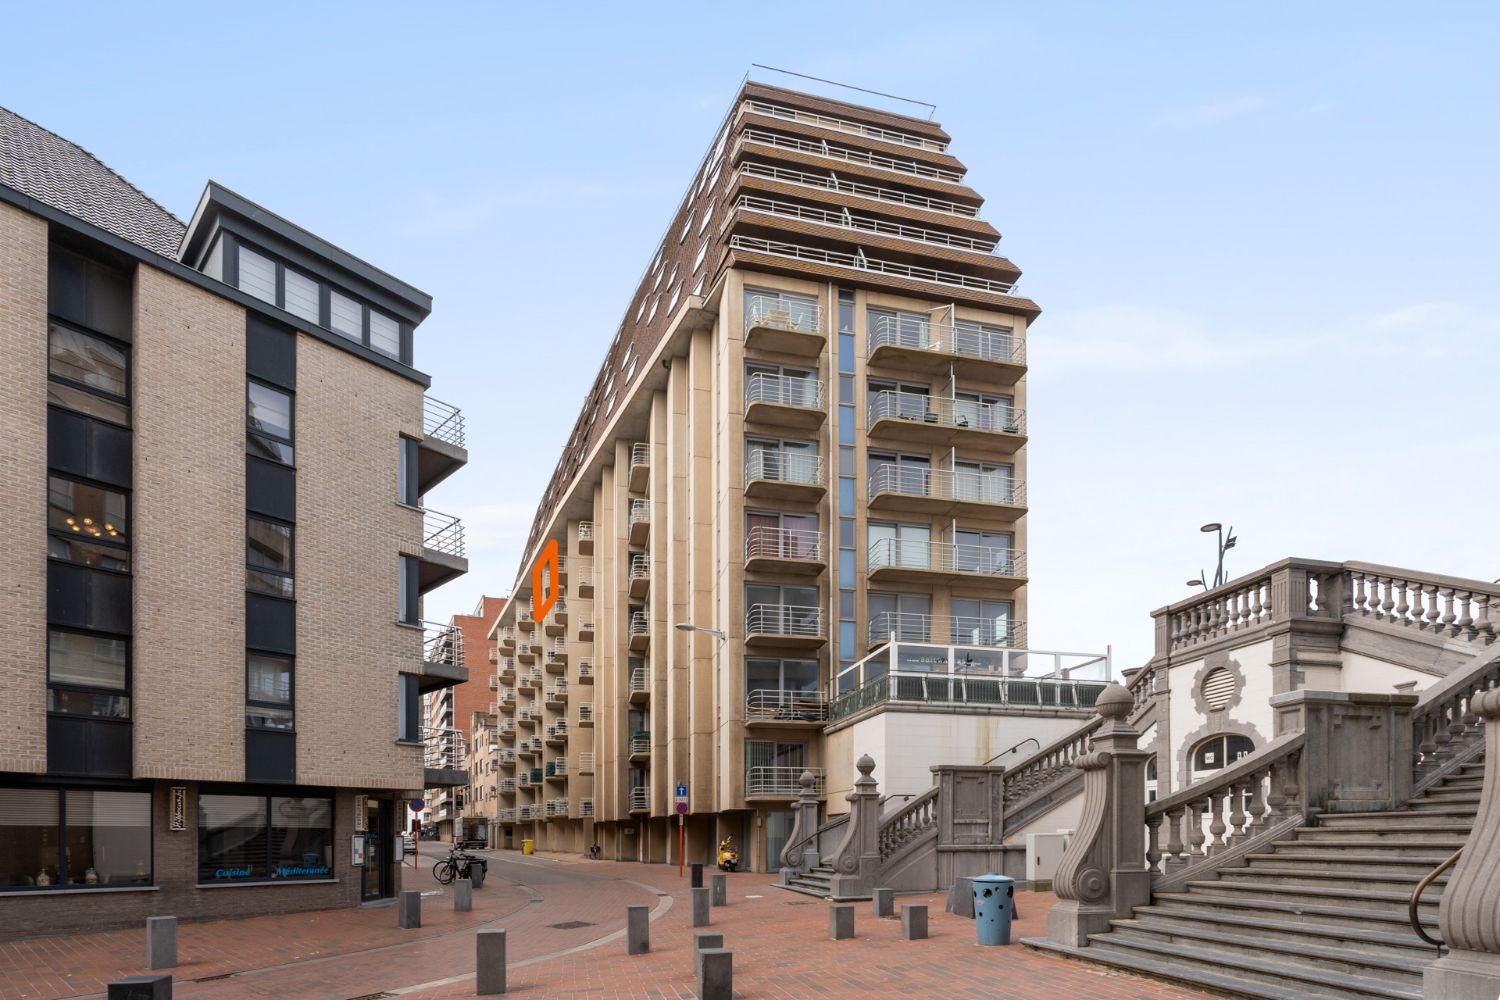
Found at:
<point>1218,688</point>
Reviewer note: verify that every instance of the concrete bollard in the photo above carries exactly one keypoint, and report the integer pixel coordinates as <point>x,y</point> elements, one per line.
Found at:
<point>161,942</point>
<point>409,909</point>
<point>702,940</point>
<point>715,974</point>
<point>700,907</point>
<point>885,902</point>
<point>141,988</point>
<point>463,895</point>
<point>961,897</point>
<point>914,922</point>
<point>637,930</point>
<point>841,921</point>
<point>721,890</point>
<point>697,876</point>
<point>489,962</point>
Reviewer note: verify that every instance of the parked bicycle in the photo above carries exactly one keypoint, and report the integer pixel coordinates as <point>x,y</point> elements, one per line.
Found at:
<point>458,864</point>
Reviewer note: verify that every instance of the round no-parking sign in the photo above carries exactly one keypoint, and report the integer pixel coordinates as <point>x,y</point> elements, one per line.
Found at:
<point>417,805</point>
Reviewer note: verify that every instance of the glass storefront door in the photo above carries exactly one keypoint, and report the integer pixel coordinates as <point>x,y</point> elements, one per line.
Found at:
<point>376,874</point>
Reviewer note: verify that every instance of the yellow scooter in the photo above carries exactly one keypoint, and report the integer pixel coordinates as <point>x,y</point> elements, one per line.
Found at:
<point>729,858</point>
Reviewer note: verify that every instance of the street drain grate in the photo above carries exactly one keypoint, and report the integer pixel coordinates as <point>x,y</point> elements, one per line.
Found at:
<point>570,925</point>
<point>213,979</point>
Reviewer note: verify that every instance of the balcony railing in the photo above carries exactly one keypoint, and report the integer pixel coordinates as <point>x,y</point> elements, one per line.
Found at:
<point>968,340</point>
<point>785,620</point>
<point>878,161</point>
<point>442,644</point>
<point>640,566</point>
<point>586,808</point>
<point>780,782</point>
<point>640,455</point>
<point>442,533</point>
<point>640,742</point>
<point>494,656</point>
<point>800,468</point>
<point>843,125</point>
<point>557,807</point>
<point>585,714</point>
<point>966,630</point>
<point>863,224</point>
<point>782,312</point>
<point>442,421</point>
<point>860,262</point>
<point>507,756</point>
<point>764,542</point>
<point>444,749</point>
<point>863,190</point>
<point>784,390</point>
<point>639,623</point>
<point>508,815</point>
<point>775,705</point>
<point>585,670</point>
<point>640,511</point>
<point>557,768</point>
<point>940,484</point>
<point>640,798</point>
<point>585,530</point>
<point>507,786</point>
<point>943,411</point>
<point>586,763</point>
<point>946,557</point>
<point>638,680</point>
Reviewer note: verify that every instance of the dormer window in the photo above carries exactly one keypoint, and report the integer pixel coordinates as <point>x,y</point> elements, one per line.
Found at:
<point>258,275</point>
<point>345,316</point>
<point>385,335</point>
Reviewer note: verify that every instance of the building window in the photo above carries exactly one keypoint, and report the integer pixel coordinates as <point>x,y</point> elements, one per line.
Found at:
<point>408,701</point>
<point>268,691</point>
<point>258,275</point>
<point>87,524</point>
<point>88,675</point>
<point>253,838</point>
<point>69,838</point>
<point>87,373</point>
<point>408,460</point>
<point>776,679</point>
<point>268,557</point>
<point>385,334</point>
<point>408,611</point>
<point>346,317</point>
<point>268,422</point>
<point>302,297</point>
<point>1220,751</point>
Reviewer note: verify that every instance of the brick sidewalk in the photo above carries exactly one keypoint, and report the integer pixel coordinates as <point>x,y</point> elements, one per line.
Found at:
<point>779,939</point>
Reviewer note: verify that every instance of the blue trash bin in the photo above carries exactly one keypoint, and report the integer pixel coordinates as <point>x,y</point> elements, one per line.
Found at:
<point>994,903</point>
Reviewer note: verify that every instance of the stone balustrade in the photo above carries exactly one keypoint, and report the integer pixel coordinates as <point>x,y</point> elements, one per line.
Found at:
<point>908,823</point>
<point>1047,765</point>
<point>1447,606</point>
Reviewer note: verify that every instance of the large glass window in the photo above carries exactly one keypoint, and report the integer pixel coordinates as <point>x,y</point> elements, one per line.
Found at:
<point>87,524</point>
<point>88,675</point>
<point>268,691</point>
<point>268,422</point>
<point>302,296</point>
<point>54,838</point>
<point>905,545</point>
<point>346,316</point>
<point>385,334</point>
<point>301,837</point>
<point>1220,751</point>
<point>907,617</point>
<point>89,374</point>
<point>978,622</point>
<point>258,275</point>
<point>255,837</point>
<point>268,557</point>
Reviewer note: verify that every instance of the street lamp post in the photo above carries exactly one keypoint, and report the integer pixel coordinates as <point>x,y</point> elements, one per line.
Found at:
<point>717,633</point>
<point>1226,542</point>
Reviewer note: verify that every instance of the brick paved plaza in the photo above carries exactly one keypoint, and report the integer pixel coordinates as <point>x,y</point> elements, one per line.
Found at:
<point>780,944</point>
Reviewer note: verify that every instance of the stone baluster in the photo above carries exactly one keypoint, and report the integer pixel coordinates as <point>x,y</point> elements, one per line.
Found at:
<point>1449,616</point>
<point>1442,735</point>
<point>1293,805</point>
<point>1153,842</point>
<point>1216,839</point>
<point>1484,626</point>
<point>1428,746</point>
<point>1237,817</point>
<point>1175,847</point>
<point>1404,607</point>
<point>1430,611</point>
<point>1387,586</point>
<point>1464,626</point>
<point>1195,835</point>
<point>1255,606</point>
<point>1357,587</point>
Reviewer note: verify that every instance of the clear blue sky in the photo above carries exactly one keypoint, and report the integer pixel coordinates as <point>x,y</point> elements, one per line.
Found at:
<point>1264,238</point>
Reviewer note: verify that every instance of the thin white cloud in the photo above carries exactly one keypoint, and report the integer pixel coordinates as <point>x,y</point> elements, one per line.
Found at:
<point>1203,115</point>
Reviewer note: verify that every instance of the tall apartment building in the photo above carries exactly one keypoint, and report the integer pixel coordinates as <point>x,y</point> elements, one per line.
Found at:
<point>468,708</point>
<point>792,509</point>
<point>212,651</point>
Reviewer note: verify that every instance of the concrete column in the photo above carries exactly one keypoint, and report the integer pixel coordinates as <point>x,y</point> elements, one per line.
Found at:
<point>720,890</point>
<point>463,895</point>
<point>409,909</point>
<point>885,902</point>
<point>716,974</point>
<point>702,941</point>
<point>1468,920</point>
<point>489,962</point>
<point>637,930</point>
<point>700,907</point>
<point>141,988</point>
<point>161,942</point>
<point>857,858</point>
<point>914,922</point>
<point>961,897</point>
<point>841,921</point>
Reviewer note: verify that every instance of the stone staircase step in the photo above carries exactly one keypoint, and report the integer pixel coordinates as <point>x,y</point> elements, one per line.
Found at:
<point>1311,894</point>
<point>1324,914</point>
<point>1287,928</point>
<point>1376,846</point>
<point>1397,822</point>
<point>1314,954</point>
<point>1321,861</point>
<point>1350,879</point>
<point>1154,969</point>
<point>1427,835</point>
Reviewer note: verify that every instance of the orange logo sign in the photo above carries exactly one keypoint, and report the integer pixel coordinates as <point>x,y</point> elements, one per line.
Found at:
<point>541,605</point>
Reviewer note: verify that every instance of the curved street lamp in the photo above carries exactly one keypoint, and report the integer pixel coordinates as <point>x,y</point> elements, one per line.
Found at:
<point>1226,542</point>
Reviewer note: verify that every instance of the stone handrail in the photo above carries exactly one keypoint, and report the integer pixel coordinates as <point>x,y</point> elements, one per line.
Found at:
<point>1448,606</point>
<point>907,823</point>
<point>1443,721</point>
<point>1253,796</point>
<point>1049,764</point>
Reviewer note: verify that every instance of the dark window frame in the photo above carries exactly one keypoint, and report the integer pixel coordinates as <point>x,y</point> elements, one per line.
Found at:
<point>291,697</point>
<point>289,574</point>
<point>126,691</point>
<point>252,432</point>
<point>109,397</point>
<point>59,533</point>
<point>61,883</point>
<point>266,794</point>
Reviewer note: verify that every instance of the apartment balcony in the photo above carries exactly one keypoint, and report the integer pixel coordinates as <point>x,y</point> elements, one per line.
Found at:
<point>784,550</point>
<point>583,578</point>
<point>836,191</point>
<point>967,350</point>
<point>557,657</point>
<point>772,706</point>
<point>640,466</point>
<point>785,625</point>
<point>525,652</point>
<point>508,815</point>
<point>444,551</point>
<point>557,695</point>
<point>640,799</point>
<point>444,753</point>
<point>526,717</point>
<point>881,231</point>
<point>506,669</point>
<point>586,537</point>
<point>951,494</point>
<point>640,686</point>
<point>791,401</point>
<point>557,621</point>
<point>640,631</point>
<point>586,808</point>
<point>639,574</point>
<point>505,728</point>
<point>529,813</point>
<point>586,763</point>
<point>899,560</point>
<point>506,638</point>
<point>508,786</point>
<point>523,780</point>
<point>506,757</point>
<point>585,716</point>
<point>784,475</point>
<point>907,168</point>
<point>442,657</point>
<point>557,734</point>
<point>585,672</point>
<point>524,621</point>
<point>529,748</point>
<point>442,451</point>
<point>780,782</point>
<point>783,113</point>
<point>534,678</point>
<point>640,521</point>
<point>784,325</point>
<point>494,683</point>
<point>557,769</point>
<point>947,422</point>
<point>947,630</point>
<point>586,627</point>
<point>557,808</point>
<point>507,701</point>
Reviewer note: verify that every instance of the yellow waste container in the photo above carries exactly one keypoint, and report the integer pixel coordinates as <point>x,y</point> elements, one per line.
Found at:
<point>526,847</point>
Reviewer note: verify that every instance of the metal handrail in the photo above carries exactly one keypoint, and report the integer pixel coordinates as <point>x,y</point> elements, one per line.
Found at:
<point>780,782</point>
<point>640,454</point>
<point>640,566</point>
<point>639,623</point>
<point>638,680</point>
<point>585,530</point>
<point>443,643</point>
<point>861,223</point>
<point>442,533</point>
<point>782,312</point>
<point>1416,899</point>
<point>872,191</point>
<point>895,165</point>
<point>640,743</point>
<point>784,390</point>
<point>765,542</point>
<point>443,748</point>
<point>442,421</point>
<point>784,619</point>
<point>1029,739</point>
<point>965,630</point>
<point>945,411</point>
<point>961,339</point>
<point>860,262</point>
<point>640,798</point>
<point>801,468</point>
<point>784,706</point>
<point>946,557</point>
<point>844,125</point>
<point>640,511</point>
<point>943,484</point>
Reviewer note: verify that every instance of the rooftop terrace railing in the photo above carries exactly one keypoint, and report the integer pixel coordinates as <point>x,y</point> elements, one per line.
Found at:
<point>864,224</point>
<point>890,196</point>
<point>442,533</point>
<point>861,262</point>
<point>861,157</point>
<point>844,125</point>
<point>442,421</point>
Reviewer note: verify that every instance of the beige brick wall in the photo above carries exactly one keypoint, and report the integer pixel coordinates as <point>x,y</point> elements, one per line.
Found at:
<point>23,490</point>
<point>350,531</point>
<point>189,535</point>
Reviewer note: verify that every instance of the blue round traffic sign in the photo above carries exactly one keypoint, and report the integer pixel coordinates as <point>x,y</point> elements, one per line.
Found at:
<point>682,808</point>
<point>417,805</point>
